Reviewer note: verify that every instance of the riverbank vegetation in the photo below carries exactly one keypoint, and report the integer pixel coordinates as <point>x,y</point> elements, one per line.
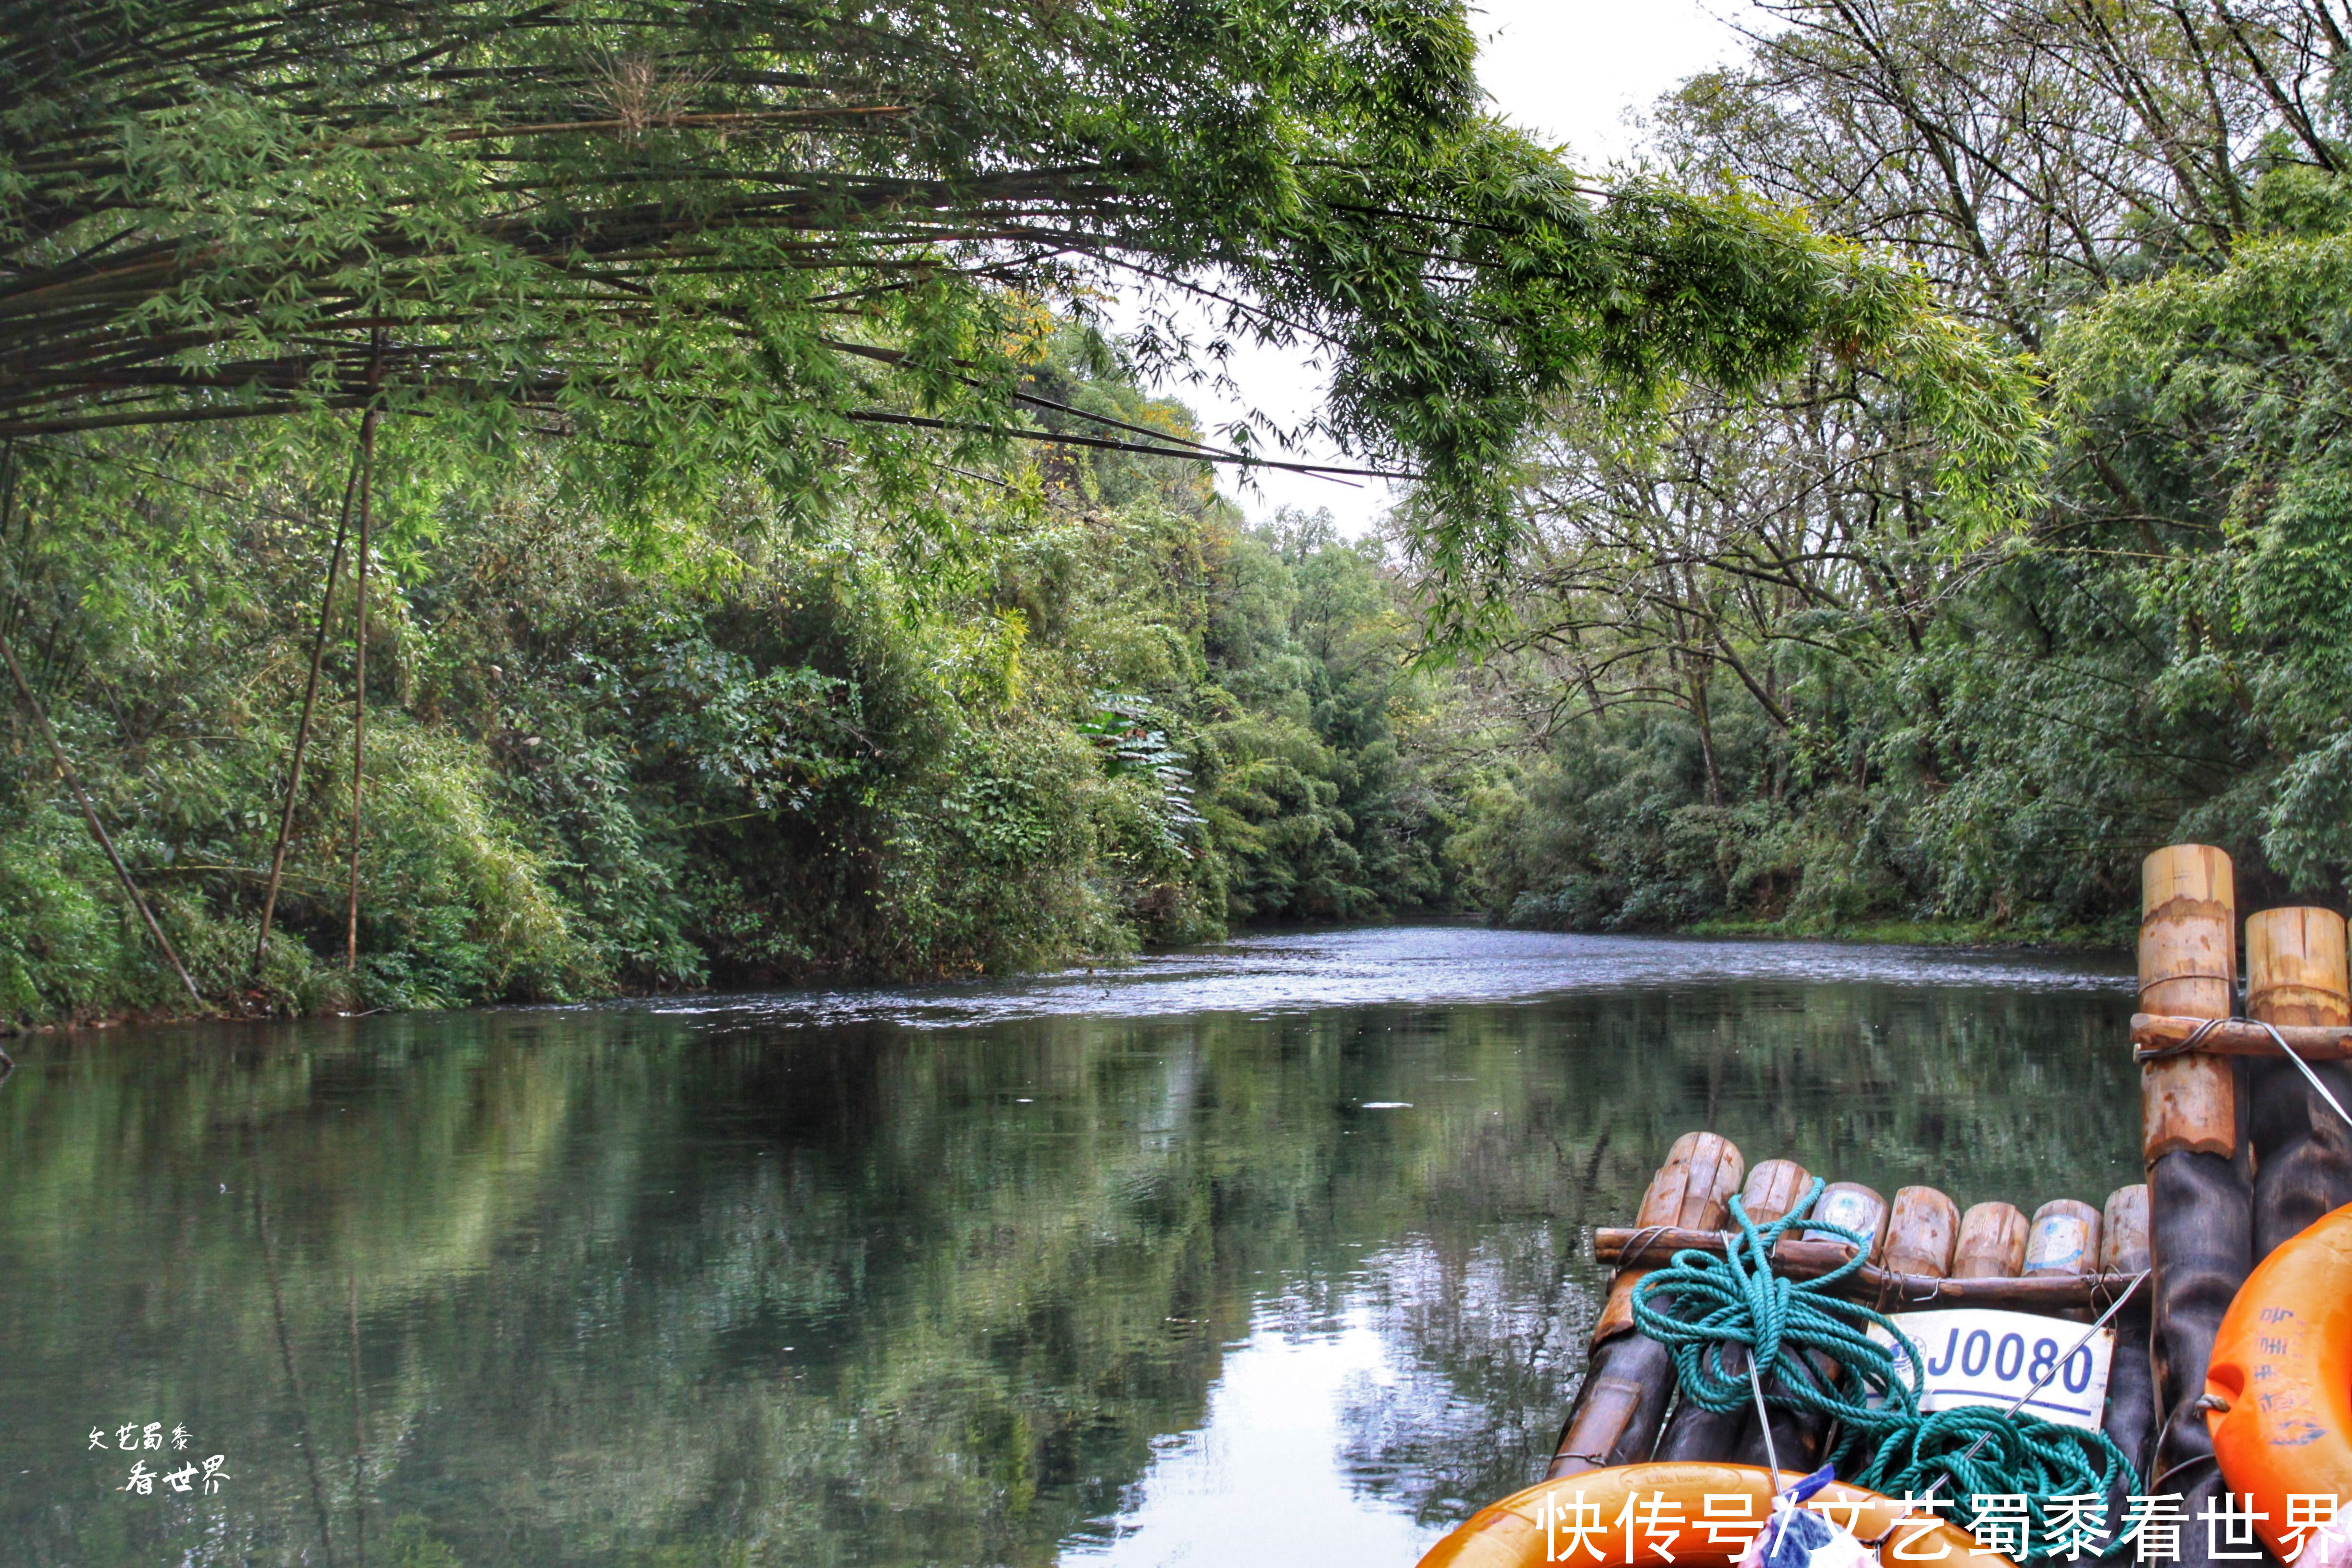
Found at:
<point>1127,718</point>
<point>1782,681</point>
<point>1904,500</point>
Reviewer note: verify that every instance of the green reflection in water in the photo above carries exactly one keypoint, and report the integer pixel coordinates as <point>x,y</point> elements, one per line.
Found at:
<point>623,1288</point>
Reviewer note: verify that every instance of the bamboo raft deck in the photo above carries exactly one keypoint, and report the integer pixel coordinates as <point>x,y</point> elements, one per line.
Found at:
<point>2240,1152</point>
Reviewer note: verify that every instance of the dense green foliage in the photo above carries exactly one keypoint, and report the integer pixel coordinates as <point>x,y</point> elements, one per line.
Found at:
<point>1128,718</point>
<point>1778,675</point>
<point>779,574</point>
<point>681,364</point>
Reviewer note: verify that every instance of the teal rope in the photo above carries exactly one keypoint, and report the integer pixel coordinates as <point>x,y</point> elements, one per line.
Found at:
<point>1785,1325</point>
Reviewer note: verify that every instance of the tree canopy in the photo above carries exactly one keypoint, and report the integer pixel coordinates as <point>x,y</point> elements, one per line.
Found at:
<point>821,243</point>
<point>1780,677</point>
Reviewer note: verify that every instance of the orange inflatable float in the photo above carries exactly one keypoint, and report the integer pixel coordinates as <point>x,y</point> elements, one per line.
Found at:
<point>2279,1387</point>
<point>1685,1514</point>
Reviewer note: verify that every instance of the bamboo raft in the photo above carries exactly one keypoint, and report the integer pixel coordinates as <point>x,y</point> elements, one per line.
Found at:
<point>2241,1152</point>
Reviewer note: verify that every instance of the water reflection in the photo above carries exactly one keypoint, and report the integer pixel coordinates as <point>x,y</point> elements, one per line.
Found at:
<point>1262,1480</point>
<point>1301,1217</point>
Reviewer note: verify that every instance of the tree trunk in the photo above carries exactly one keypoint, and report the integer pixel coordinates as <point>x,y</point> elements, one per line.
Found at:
<point>1705,733</point>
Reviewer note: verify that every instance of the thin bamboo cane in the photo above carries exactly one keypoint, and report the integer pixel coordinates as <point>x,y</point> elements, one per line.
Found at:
<point>302,730</point>
<point>359,646</point>
<point>57,752</point>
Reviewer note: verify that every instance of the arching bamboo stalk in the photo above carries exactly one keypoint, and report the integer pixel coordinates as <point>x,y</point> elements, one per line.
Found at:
<point>302,730</point>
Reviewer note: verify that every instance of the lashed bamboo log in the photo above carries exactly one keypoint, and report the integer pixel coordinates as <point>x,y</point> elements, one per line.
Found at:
<point>2131,1414</point>
<point>2188,967</point>
<point>1798,1435</point>
<point>2123,1231</point>
<point>1771,1190</point>
<point>1991,1244</point>
<point>2200,1183</point>
<point>2302,1149</point>
<point>1850,1205</point>
<point>1922,1231</point>
<point>2239,1037</point>
<point>2063,1239</point>
<point>1629,1377</point>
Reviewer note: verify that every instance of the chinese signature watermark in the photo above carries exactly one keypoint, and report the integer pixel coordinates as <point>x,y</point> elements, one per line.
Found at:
<point>133,1438</point>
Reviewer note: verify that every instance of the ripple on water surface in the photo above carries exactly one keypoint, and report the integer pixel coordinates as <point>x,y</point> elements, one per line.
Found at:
<point>1301,971</point>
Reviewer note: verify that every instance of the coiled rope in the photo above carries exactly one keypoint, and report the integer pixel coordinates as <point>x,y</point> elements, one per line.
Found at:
<point>1814,1353</point>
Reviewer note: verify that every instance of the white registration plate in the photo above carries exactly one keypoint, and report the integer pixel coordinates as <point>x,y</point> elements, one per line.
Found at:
<point>1975,1356</point>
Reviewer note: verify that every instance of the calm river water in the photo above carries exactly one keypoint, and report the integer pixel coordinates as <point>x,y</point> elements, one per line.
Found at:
<point>1267,1253</point>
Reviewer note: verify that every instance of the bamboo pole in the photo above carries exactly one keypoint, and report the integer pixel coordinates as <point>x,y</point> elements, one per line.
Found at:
<point>2063,1239</point>
<point>359,651</point>
<point>302,730</point>
<point>1797,1436</point>
<point>2188,967</point>
<point>1922,1229</point>
<point>2294,967</point>
<point>2162,1034</point>
<point>1771,1190</point>
<point>2301,1149</point>
<point>1991,1244</point>
<point>1881,1287</point>
<point>1629,1376</point>
<point>90,816</point>
<point>2131,1414</point>
<point>2200,1183</point>
<point>1850,1205</point>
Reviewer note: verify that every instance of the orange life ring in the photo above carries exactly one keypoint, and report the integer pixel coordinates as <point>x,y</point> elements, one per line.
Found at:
<point>1512,1533</point>
<point>2279,1383</point>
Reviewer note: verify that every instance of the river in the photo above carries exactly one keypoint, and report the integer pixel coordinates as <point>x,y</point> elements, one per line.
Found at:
<point>1265,1253</point>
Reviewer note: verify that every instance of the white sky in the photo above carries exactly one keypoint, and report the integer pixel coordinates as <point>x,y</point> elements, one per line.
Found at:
<point>1569,70</point>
